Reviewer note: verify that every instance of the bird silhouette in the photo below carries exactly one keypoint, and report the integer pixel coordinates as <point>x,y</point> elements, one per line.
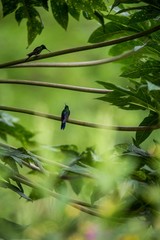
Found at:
<point>36,51</point>
<point>64,116</point>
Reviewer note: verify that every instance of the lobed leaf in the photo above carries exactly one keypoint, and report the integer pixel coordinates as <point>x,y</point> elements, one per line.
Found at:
<point>60,12</point>
<point>125,21</point>
<point>142,68</point>
<point>77,185</point>
<point>40,3</point>
<point>128,99</point>
<point>34,25</point>
<point>141,136</point>
<point>20,14</point>
<point>109,31</point>
<point>9,6</point>
<point>75,13</point>
<point>12,155</point>
<point>118,2</point>
<point>148,12</point>
<point>8,126</point>
<point>96,195</point>
<point>14,189</point>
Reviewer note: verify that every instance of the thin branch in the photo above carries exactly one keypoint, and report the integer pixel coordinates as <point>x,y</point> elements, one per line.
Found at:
<point>84,48</point>
<point>87,210</point>
<point>83,206</point>
<point>80,123</point>
<point>55,85</point>
<point>49,162</point>
<point>78,64</point>
<point>80,205</point>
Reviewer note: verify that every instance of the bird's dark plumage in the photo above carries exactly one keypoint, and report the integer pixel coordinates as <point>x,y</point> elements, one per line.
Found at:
<point>36,51</point>
<point>64,116</point>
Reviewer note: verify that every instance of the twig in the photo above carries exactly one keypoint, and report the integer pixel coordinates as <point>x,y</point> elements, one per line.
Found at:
<point>49,162</point>
<point>55,85</point>
<point>80,123</point>
<point>84,48</point>
<point>83,206</point>
<point>87,210</point>
<point>78,64</point>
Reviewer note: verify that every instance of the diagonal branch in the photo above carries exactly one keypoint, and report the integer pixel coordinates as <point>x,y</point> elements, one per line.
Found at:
<point>82,206</point>
<point>80,123</point>
<point>84,48</point>
<point>80,64</point>
<point>55,85</point>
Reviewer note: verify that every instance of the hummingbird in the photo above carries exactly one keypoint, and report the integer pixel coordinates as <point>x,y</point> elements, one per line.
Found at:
<point>64,116</point>
<point>36,51</point>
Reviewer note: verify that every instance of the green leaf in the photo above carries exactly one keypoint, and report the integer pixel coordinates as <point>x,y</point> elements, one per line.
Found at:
<point>37,194</point>
<point>152,86</point>
<point>128,99</point>
<point>118,19</point>
<point>88,5</point>
<point>20,14</point>
<point>11,230</point>
<point>34,26</point>
<point>141,136</point>
<point>76,170</point>
<point>9,6</point>
<point>142,69</point>
<point>126,10</point>
<point>44,4</point>
<point>133,150</point>
<point>96,195</point>
<point>35,3</point>
<point>154,91</point>
<point>118,2</point>
<point>153,47</point>
<point>109,31</point>
<point>8,173</point>
<point>68,150</point>
<point>60,12</point>
<point>8,126</point>
<point>75,13</point>
<point>87,15</point>
<point>146,13</point>
<point>88,157</point>
<point>100,18</point>
<point>155,3</point>
<point>10,155</point>
<point>29,157</point>
<point>14,189</point>
<point>77,185</point>
<point>126,46</point>
<point>115,4</point>
<point>3,136</point>
<point>8,119</point>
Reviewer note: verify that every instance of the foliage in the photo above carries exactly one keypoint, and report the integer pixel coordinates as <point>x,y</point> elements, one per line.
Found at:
<point>60,9</point>
<point>115,187</point>
<point>9,126</point>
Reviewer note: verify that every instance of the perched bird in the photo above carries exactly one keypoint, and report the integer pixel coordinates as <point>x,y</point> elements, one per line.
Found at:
<point>64,116</point>
<point>36,51</point>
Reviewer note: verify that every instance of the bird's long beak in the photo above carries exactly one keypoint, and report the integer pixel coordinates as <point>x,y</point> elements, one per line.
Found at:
<point>48,50</point>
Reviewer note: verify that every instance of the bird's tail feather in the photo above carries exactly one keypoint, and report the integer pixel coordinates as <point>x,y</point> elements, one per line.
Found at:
<point>63,125</point>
